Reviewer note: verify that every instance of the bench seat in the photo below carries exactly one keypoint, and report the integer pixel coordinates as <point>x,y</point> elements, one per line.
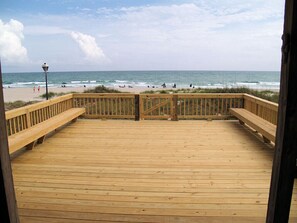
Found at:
<point>37,132</point>
<point>267,129</point>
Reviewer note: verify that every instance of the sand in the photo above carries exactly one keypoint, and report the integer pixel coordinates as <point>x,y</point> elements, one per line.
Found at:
<point>27,94</point>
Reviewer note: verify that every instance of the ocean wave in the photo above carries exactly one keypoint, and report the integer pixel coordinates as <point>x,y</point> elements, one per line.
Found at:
<point>29,83</point>
<point>247,83</point>
<point>210,86</point>
<point>270,83</point>
<point>23,83</point>
<point>141,84</point>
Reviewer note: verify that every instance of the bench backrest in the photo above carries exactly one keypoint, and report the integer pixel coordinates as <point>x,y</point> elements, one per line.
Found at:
<point>262,108</point>
<point>23,118</point>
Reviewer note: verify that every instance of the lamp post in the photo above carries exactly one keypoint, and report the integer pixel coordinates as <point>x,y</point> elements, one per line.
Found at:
<point>45,68</point>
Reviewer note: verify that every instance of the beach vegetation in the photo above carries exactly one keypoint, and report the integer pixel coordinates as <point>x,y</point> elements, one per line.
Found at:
<point>163,92</point>
<point>265,94</point>
<point>102,89</point>
<point>151,92</point>
<point>54,94</point>
<point>17,104</point>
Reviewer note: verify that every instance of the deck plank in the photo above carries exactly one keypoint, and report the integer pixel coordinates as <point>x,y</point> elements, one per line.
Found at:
<point>148,171</point>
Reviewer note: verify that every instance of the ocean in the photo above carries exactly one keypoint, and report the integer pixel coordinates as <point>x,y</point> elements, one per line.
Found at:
<point>182,79</point>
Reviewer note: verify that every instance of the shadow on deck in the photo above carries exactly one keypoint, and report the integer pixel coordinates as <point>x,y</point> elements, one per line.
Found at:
<point>148,171</point>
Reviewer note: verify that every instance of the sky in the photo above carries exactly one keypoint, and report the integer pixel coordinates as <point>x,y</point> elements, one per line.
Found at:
<point>94,35</point>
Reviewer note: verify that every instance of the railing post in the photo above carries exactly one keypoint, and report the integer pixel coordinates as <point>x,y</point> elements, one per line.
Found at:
<point>8,205</point>
<point>136,106</point>
<point>174,108</point>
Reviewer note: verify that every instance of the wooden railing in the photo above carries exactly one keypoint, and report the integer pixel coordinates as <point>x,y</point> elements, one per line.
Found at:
<point>188,106</point>
<point>201,106</point>
<point>111,106</point>
<point>262,108</point>
<point>158,106</point>
<point>25,117</point>
<point>143,106</point>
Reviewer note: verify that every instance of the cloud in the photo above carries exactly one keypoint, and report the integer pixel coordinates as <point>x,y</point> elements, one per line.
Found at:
<point>45,30</point>
<point>88,46</point>
<point>199,34</point>
<point>191,35</point>
<point>180,24</point>
<point>11,48</point>
<point>191,18</point>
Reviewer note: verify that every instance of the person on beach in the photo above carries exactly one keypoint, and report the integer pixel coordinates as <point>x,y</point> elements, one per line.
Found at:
<point>38,88</point>
<point>163,85</point>
<point>34,89</point>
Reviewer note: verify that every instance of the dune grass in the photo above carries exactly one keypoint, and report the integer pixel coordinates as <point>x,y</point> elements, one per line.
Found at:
<point>17,104</point>
<point>265,94</point>
<point>98,89</point>
<point>102,89</point>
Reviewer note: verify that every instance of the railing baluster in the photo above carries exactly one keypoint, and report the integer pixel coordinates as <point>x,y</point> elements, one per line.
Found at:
<point>107,106</point>
<point>205,106</point>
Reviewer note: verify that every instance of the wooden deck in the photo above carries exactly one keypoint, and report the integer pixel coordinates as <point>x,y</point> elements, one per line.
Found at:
<point>147,171</point>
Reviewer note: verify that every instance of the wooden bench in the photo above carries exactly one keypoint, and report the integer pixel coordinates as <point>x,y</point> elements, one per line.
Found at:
<point>265,128</point>
<point>28,137</point>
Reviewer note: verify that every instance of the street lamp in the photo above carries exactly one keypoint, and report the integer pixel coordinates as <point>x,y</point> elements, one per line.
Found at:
<point>45,68</point>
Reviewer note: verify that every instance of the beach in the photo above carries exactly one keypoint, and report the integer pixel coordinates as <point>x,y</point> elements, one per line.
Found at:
<point>27,94</point>
<point>19,86</point>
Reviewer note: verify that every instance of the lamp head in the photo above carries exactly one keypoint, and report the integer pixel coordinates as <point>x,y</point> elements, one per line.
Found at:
<point>45,67</point>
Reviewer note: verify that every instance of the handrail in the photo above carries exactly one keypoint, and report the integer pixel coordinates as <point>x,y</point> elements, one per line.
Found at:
<point>19,111</point>
<point>205,106</point>
<point>105,105</point>
<point>188,106</point>
<point>268,104</point>
<point>102,95</point>
<point>22,118</point>
<point>262,108</point>
<point>142,106</point>
<point>210,95</point>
